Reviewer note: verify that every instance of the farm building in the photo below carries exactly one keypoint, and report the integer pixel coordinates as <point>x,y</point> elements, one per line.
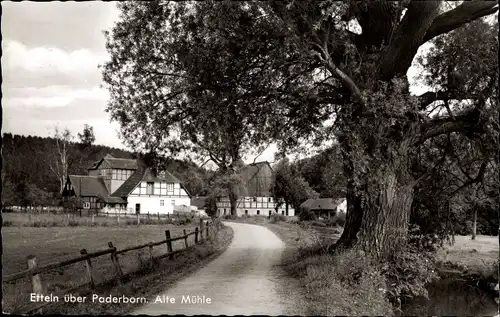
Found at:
<point>257,198</point>
<point>127,186</point>
<point>325,207</point>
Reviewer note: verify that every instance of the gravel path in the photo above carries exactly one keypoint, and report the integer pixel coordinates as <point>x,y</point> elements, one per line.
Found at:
<point>244,280</point>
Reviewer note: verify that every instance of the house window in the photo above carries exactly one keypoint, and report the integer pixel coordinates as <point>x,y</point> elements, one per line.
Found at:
<point>173,202</point>
<point>283,212</point>
<point>162,202</point>
<point>170,187</point>
<point>270,199</point>
<point>115,174</point>
<point>258,212</point>
<point>246,212</point>
<point>255,199</point>
<point>86,205</point>
<point>224,211</point>
<point>149,188</point>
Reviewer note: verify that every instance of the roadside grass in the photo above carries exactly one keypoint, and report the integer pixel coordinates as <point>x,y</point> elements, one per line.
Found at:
<point>71,220</point>
<point>149,282</point>
<point>56,244</point>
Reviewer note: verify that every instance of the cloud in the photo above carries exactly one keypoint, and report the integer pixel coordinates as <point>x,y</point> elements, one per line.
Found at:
<point>51,96</point>
<point>49,60</point>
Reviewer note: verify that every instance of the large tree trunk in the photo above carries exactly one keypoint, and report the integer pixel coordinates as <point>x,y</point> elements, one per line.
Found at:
<point>233,200</point>
<point>379,196</point>
<point>474,224</point>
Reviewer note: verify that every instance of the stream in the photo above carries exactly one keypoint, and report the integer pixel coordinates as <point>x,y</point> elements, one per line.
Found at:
<point>452,296</point>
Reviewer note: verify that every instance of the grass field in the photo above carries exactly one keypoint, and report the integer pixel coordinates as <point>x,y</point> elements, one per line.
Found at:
<point>475,255</point>
<point>12,219</point>
<point>55,244</point>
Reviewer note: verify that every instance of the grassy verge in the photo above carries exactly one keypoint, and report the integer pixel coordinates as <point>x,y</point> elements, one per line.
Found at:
<point>150,282</point>
<point>56,244</point>
<point>47,220</point>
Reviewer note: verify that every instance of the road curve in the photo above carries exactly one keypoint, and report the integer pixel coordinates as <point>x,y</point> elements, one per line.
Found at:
<point>241,281</point>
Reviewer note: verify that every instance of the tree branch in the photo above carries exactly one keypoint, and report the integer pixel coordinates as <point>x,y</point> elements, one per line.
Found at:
<point>476,179</point>
<point>466,12</point>
<point>433,128</point>
<point>399,54</point>
<point>431,96</point>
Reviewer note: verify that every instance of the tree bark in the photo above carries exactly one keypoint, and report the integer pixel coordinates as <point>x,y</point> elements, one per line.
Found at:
<point>474,225</point>
<point>233,200</point>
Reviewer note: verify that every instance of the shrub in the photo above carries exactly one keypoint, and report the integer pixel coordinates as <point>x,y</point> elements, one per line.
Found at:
<point>230,217</point>
<point>275,218</point>
<point>408,273</point>
<point>318,223</point>
<point>306,215</point>
<point>8,224</point>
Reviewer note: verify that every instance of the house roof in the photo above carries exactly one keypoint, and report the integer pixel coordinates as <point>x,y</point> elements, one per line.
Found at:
<point>258,179</point>
<point>322,203</point>
<point>119,163</point>
<point>146,174</point>
<point>199,202</point>
<point>129,185</point>
<point>88,185</point>
<point>113,200</point>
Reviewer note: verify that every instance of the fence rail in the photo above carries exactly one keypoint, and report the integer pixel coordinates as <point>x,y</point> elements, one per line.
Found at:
<point>33,272</point>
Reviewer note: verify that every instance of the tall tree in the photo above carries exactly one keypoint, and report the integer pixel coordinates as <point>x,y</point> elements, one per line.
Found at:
<point>60,160</point>
<point>299,72</point>
<point>289,187</point>
<point>87,137</point>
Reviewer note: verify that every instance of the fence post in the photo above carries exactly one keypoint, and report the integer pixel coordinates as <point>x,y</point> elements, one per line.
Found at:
<point>201,229</point>
<point>158,216</point>
<point>138,219</point>
<point>148,215</point>
<point>88,265</point>
<point>118,218</point>
<point>169,244</point>
<point>186,239</point>
<point>151,263</point>
<point>92,218</point>
<point>36,281</point>
<point>196,235</point>
<point>116,264</point>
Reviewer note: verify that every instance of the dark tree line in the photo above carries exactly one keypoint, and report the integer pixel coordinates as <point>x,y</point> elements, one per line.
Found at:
<point>27,178</point>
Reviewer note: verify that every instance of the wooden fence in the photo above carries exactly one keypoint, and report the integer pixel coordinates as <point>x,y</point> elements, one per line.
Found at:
<point>206,230</point>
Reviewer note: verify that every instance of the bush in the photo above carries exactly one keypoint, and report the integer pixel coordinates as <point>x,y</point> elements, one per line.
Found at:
<point>275,218</point>
<point>318,223</point>
<point>306,215</point>
<point>346,283</point>
<point>230,217</point>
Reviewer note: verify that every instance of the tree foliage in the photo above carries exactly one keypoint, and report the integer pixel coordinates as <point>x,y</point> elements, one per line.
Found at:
<point>289,187</point>
<point>87,137</point>
<point>220,77</point>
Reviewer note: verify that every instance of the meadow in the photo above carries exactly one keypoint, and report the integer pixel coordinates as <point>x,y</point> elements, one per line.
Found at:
<point>54,244</point>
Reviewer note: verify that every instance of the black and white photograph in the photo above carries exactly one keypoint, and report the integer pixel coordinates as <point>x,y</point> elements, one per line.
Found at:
<point>275,158</point>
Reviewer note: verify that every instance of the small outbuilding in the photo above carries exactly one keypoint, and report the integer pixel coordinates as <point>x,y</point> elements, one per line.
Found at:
<point>325,207</point>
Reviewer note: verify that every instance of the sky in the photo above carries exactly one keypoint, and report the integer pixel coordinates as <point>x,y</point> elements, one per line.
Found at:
<point>51,53</point>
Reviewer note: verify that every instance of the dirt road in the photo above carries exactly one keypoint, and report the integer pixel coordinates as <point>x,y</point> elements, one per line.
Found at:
<point>244,280</point>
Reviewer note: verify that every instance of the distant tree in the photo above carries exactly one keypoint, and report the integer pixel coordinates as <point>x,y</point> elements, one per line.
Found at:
<point>87,137</point>
<point>229,185</point>
<point>58,163</point>
<point>289,187</point>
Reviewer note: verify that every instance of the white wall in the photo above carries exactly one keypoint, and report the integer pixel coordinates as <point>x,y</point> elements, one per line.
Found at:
<point>342,207</point>
<point>160,189</point>
<point>153,204</point>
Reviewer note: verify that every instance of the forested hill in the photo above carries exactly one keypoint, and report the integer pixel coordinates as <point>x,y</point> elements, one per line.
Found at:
<point>27,163</point>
